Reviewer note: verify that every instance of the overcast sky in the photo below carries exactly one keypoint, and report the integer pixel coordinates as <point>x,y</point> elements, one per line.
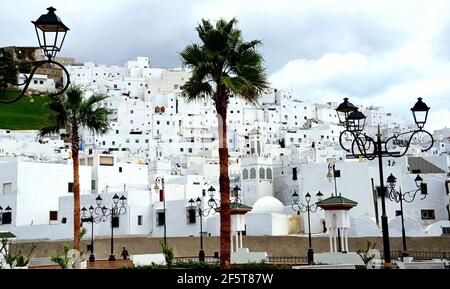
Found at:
<point>377,52</point>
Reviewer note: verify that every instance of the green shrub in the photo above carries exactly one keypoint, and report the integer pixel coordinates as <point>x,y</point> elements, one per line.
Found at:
<point>168,254</point>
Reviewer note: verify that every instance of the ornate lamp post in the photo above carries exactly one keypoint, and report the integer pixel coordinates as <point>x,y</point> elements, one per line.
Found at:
<point>400,197</point>
<point>90,219</point>
<point>162,196</point>
<point>367,147</point>
<point>114,212</point>
<point>212,206</point>
<point>300,207</point>
<point>51,32</point>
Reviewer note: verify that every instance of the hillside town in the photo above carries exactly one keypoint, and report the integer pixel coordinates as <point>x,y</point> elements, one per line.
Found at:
<point>277,147</point>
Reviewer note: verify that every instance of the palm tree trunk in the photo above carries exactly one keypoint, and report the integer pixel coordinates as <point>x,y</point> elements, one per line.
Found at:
<point>224,181</point>
<point>76,188</point>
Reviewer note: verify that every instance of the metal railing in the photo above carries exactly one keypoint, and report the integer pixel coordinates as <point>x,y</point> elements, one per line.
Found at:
<point>208,259</point>
<point>291,260</point>
<point>422,255</point>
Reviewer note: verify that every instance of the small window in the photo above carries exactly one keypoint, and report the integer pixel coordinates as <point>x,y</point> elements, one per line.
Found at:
<point>6,218</point>
<point>294,174</point>
<point>252,173</point>
<point>398,213</point>
<point>160,218</point>
<point>245,174</point>
<point>92,184</point>
<point>140,220</point>
<point>120,169</point>
<point>53,215</point>
<point>445,231</point>
<point>64,220</point>
<point>191,218</point>
<point>7,188</point>
<point>70,188</point>
<point>427,214</point>
<point>262,173</point>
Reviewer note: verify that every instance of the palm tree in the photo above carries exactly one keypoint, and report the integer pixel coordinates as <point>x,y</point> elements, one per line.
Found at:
<point>223,65</point>
<point>73,112</point>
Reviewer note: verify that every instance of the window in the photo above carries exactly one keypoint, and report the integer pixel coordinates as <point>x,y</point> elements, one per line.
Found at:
<point>269,174</point>
<point>252,173</point>
<point>190,214</point>
<point>245,174</point>
<point>445,231</point>
<point>160,218</point>
<point>294,174</point>
<point>6,218</point>
<point>140,220</point>
<point>70,188</point>
<point>92,184</point>
<point>120,169</point>
<point>64,220</point>
<point>7,188</point>
<point>398,213</point>
<point>41,82</point>
<point>427,214</point>
<point>53,215</point>
<point>262,173</point>
<point>115,222</point>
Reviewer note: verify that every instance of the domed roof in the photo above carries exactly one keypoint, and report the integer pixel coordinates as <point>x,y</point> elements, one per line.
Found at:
<point>267,205</point>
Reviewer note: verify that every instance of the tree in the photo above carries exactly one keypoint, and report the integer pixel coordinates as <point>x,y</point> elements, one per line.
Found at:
<point>366,254</point>
<point>223,65</point>
<point>14,258</point>
<point>72,112</point>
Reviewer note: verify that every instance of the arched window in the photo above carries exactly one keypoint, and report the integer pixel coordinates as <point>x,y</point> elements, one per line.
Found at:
<point>252,173</point>
<point>269,174</point>
<point>262,173</point>
<point>245,174</point>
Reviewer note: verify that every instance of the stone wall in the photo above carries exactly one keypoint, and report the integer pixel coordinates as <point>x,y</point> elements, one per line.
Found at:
<point>189,246</point>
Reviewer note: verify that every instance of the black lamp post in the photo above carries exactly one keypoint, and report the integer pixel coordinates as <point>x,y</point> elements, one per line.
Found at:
<point>114,212</point>
<point>51,32</point>
<point>367,147</point>
<point>212,206</point>
<point>400,197</point>
<point>163,195</point>
<point>236,196</point>
<point>300,207</point>
<point>90,219</point>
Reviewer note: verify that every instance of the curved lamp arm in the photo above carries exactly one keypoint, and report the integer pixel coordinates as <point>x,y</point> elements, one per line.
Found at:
<point>395,141</point>
<point>28,79</point>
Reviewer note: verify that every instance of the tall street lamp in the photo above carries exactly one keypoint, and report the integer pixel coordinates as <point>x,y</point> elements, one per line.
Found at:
<point>51,32</point>
<point>367,147</point>
<point>400,197</point>
<point>162,198</point>
<point>212,206</point>
<point>300,207</point>
<point>113,213</point>
<point>90,219</point>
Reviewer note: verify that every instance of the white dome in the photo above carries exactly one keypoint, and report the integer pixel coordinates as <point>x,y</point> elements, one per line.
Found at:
<point>267,205</point>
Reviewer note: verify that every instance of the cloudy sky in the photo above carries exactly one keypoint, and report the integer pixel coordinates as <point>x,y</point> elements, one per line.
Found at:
<point>376,52</point>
